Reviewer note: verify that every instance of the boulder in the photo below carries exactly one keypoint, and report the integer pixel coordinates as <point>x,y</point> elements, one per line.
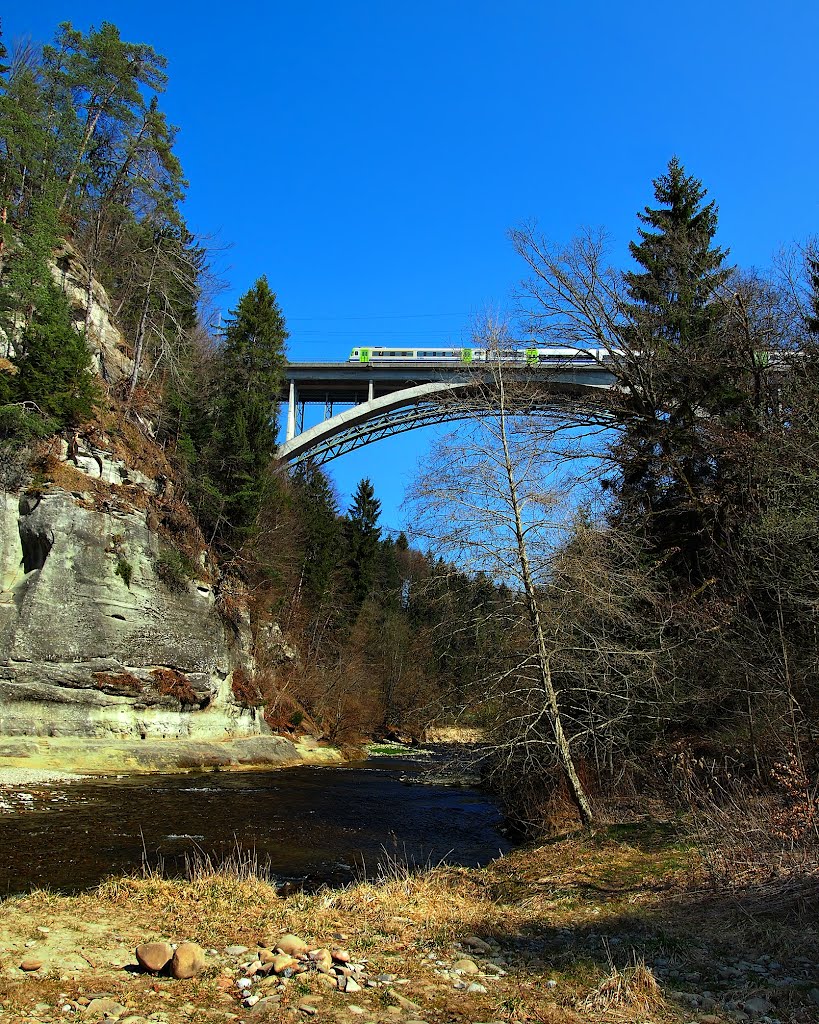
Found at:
<point>188,960</point>
<point>466,967</point>
<point>154,956</point>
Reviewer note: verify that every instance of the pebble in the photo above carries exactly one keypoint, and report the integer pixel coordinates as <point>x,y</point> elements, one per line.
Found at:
<point>235,950</point>
<point>402,1001</point>
<point>31,964</point>
<point>465,967</point>
<point>757,1005</point>
<point>476,988</point>
<point>282,962</point>
<point>104,1007</point>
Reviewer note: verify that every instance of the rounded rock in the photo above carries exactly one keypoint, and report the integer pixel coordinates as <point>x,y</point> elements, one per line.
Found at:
<point>188,960</point>
<point>283,962</point>
<point>154,956</point>
<point>466,967</point>
<point>292,944</point>
<point>31,964</point>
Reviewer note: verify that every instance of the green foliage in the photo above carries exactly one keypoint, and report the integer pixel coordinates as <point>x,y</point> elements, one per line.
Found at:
<point>362,536</point>
<point>54,362</point>
<point>680,363</point>
<point>175,569</point>
<point>228,423</point>
<point>317,511</point>
<point>19,426</point>
<point>125,570</point>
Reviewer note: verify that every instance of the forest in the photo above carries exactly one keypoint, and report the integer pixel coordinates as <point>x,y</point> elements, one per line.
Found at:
<point>659,644</point>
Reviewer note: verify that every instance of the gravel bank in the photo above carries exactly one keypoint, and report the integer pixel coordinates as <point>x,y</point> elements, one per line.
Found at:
<point>15,777</point>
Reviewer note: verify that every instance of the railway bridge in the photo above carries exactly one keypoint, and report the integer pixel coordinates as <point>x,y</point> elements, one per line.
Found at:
<point>379,399</point>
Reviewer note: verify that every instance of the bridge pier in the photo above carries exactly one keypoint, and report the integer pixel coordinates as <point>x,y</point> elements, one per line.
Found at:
<point>291,412</point>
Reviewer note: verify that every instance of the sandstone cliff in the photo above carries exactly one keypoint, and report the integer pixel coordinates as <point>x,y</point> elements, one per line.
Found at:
<point>97,641</point>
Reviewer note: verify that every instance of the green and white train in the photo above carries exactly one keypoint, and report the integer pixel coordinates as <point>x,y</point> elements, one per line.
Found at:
<point>529,355</point>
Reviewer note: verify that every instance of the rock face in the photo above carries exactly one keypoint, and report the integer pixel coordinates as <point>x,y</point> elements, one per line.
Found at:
<point>102,635</point>
<point>93,643</point>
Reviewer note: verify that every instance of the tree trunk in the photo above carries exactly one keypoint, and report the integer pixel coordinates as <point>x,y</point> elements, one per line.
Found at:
<point>561,740</point>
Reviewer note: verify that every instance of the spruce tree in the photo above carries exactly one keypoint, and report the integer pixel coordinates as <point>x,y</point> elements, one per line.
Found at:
<point>685,370</point>
<point>236,456</point>
<point>55,364</point>
<point>320,528</point>
<point>363,535</point>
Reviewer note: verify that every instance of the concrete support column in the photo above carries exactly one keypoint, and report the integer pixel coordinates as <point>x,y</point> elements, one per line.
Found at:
<point>370,390</point>
<point>291,412</point>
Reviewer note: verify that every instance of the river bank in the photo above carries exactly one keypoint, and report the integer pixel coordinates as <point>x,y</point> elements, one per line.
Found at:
<point>61,758</point>
<point>611,926</point>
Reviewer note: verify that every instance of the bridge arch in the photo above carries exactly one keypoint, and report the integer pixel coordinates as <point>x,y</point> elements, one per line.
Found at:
<point>416,406</point>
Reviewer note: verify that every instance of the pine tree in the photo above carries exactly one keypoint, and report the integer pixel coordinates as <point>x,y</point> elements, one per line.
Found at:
<point>55,364</point>
<point>363,536</point>
<point>238,438</point>
<point>676,336</point>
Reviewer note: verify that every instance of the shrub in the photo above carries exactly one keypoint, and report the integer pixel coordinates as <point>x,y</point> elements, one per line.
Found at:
<point>175,569</point>
<point>245,689</point>
<point>125,570</point>
<point>171,683</point>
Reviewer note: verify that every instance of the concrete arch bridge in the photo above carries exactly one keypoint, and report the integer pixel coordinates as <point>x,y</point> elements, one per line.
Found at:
<point>381,400</point>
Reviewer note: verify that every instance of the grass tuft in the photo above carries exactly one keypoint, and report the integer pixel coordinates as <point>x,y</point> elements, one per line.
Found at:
<point>635,987</point>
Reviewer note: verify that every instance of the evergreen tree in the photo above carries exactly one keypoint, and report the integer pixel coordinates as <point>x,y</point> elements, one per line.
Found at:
<point>684,368</point>
<point>363,536</point>
<point>55,364</point>
<point>238,438</point>
<point>321,530</point>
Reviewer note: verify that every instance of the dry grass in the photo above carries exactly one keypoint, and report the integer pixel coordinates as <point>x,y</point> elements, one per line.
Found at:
<point>559,902</point>
<point>633,988</point>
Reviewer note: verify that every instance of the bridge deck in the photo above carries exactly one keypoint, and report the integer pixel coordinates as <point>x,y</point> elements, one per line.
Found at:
<point>353,383</point>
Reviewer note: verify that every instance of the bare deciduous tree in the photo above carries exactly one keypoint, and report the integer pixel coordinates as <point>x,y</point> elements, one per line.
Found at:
<point>485,505</point>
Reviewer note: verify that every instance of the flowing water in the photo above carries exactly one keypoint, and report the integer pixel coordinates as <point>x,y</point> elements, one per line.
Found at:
<point>310,825</point>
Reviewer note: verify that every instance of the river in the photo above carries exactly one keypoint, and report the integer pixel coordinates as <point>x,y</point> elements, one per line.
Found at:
<point>309,825</point>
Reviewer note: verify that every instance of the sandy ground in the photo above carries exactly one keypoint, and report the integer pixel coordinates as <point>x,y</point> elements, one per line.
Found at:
<point>12,778</point>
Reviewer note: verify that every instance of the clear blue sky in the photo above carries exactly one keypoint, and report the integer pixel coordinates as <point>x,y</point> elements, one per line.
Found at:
<point>369,157</point>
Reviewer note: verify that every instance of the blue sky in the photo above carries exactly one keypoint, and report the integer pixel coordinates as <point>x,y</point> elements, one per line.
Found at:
<point>370,157</point>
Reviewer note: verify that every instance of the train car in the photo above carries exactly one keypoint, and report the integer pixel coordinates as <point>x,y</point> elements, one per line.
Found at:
<point>529,355</point>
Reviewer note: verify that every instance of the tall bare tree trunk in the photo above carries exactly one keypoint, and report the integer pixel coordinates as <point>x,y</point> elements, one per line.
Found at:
<point>544,668</point>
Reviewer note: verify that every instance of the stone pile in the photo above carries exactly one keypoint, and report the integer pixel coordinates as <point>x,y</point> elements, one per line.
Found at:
<point>265,975</point>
